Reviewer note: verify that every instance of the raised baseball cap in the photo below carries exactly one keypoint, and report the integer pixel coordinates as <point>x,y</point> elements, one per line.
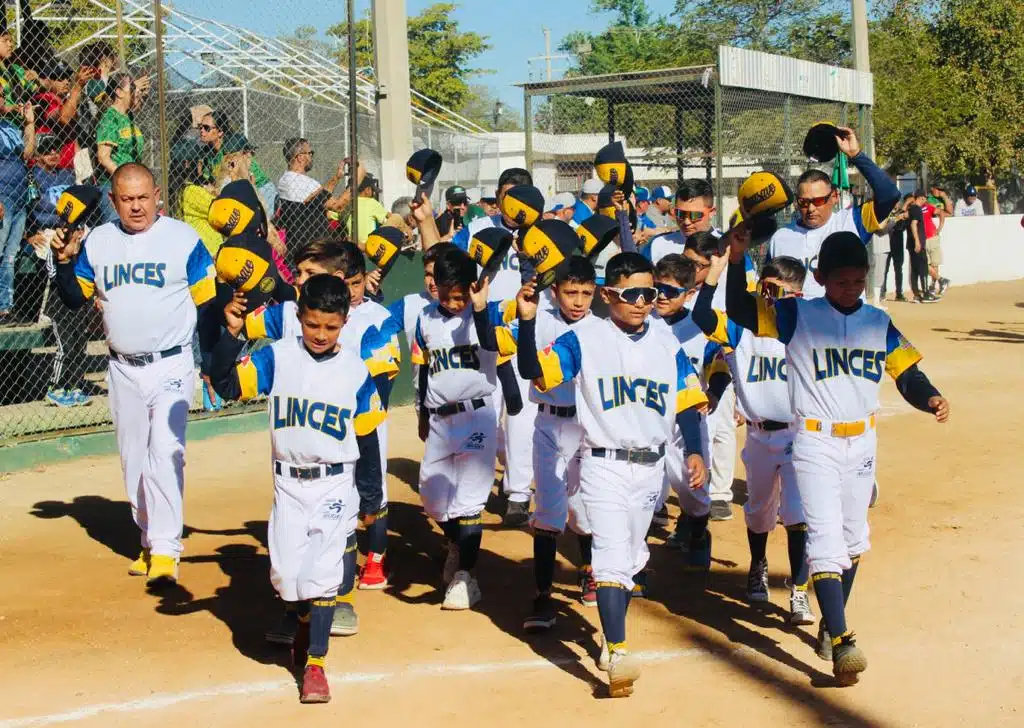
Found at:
<point>593,187</point>
<point>661,192</point>
<point>523,205</point>
<point>560,201</point>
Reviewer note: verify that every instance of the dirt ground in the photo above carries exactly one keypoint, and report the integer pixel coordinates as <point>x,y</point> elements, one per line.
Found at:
<point>937,605</point>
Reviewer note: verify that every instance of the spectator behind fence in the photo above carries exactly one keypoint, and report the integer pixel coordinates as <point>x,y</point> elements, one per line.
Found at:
<point>586,205</point>
<point>70,327</point>
<point>371,212</point>
<point>450,221</point>
<point>239,162</point>
<point>58,102</point>
<point>118,139</point>
<point>17,144</point>
<point>969,205</point>
<point>191,192</point>
<point>216,131</point>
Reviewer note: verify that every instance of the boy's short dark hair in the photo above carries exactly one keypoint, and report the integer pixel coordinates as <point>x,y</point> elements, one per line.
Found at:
<point>680,269</point>
<point>813,175</point>
<point>93,53</point>
<point>691,189</point>
<point>353,262</point>
<point>704,243</point>
<point>787,269</point>
<point>325,293</point>
<point>435,251</point>
<point>328,253</point>
<point>843,249</point>
<point>624,265</point>
<point>514,176</point>
<point>453,268</point>
<point>576,270</point>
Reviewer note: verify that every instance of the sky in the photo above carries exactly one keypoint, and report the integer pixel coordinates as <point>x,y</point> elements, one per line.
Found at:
<point>516,37</point>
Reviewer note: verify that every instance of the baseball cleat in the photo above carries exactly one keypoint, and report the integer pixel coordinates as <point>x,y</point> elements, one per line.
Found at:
<point>543,617</point>
<point>721,511</point>
<point>604,659</point>
<point>699,559</point>
<point>516,514</point>
<point>346,621</point>
<point>451,563</point>
<point>660,517</point>
<point>163,571</point>
<point>848,661</point>
<point>462,593</point>
<point>372,575</point>
<point>623,671</point>
<point>824,648</point>
<point>588,586</point>
<point>680,538</point>
<point>757,582</point>
<point>314,686</point>
<point>284,632</point>
<point>140,567</point>
<point>875,490</point>
<point>943,285</point>
<point>800,607</point>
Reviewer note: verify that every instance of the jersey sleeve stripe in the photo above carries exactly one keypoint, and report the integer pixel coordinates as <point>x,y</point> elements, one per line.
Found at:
<point>868,219</point>
<point>900,353</point>
<point>690,396</point>
<point>248,379</point>
<point>87,286</point>
<point>721,333</point>
<point>506,341</point>
<point>202,291</point>
<point>552,373</point>
<point>83,266</point>
<point>256,325</point>
<point>417,355</point>
<point>367,422</point>
<point>199,265</point>
<point>767,322</point>
<point>382,365</point>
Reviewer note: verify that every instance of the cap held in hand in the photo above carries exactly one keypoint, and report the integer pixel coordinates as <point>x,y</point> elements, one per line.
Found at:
<point>488,247</point>
<point>547,245</point>
<point>76,203</point>
<point>422,170</point>
<point>595,233</point>
<point>610,164</point>
<point>820,143</point>
<point>383,246</point>
<point>762,195</point>
<point>605,205</point>
<point>523,205</point>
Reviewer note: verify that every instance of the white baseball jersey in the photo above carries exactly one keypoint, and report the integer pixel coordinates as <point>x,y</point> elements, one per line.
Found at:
<point>407,309</point>
<point>629,388</point>
<point>508,280</point>
<point>371,322</point>
<point>460,369</point>
<point>835,361</point>
<point>316,407</point>
<point>550,325</point>
<point>149,283</point>
<point>699,349</point>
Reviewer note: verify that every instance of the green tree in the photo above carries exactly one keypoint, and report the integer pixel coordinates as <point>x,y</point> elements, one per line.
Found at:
<point>480,107</point>
<point>440,55</point>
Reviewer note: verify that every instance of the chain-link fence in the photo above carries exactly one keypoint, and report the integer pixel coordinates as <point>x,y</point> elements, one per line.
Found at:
<point>233,104</point>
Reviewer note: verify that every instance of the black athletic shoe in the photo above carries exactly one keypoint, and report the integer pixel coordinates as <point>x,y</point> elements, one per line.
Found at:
<point>543,615</point>
<point>943,285</point>
<point>517,514</point>
<point>721,511</point>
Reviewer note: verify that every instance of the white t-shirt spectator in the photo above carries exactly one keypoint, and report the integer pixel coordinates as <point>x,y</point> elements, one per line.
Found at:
<point>296,187</point>
<point>965,209</point>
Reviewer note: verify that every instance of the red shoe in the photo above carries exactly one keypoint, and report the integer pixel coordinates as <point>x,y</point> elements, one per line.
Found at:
<point>300,646</point>
<point>314,686</point>
<point>588,587</point>
<point>372,575</point>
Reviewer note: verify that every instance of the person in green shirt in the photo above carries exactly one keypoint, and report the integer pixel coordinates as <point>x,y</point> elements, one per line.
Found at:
<point>371,212</point>
<point>118,139</point>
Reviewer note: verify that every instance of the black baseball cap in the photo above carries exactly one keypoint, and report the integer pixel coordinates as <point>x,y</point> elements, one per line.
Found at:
<point>971,191</point>
<point>456,194</point>
<point>46,143</point>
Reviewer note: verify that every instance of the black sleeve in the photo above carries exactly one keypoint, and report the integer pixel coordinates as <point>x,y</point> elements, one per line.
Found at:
<point>526,343</point>
<point>208,326</point>
<point>510,388</point>
<point>383,382</point>
<point>424,375</point>
<point>702,314</point>
<point>740,304</point>
<point>718,383</point>
<point>222,366</point>
<point>885,192</point>
<point>688,422</point>
<point>626,241</point>
<point>368,476</point>
<point>485,331</point>
<point>916,389</point>
<point>68,290</point>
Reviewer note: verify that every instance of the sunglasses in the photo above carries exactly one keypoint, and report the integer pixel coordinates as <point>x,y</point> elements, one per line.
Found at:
<point>642,295</point>
<point>669,293</point>
<point>691,215</point>
<point>774,291</point>
<point>206,127</point>
<point>805,202</point>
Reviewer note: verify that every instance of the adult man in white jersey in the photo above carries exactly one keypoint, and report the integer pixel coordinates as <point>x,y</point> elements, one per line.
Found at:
<point>150,273</point>
<point>816,199</point>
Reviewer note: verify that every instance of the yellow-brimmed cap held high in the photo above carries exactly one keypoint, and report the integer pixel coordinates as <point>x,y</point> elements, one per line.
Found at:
<point>522,205</point>
<point>595,233</point>
<point>383,246</point>
<point>422,170</point>
<point>610,164</point>
<point>548,244</point>
<point>820,143</point>
<point>488,247</point>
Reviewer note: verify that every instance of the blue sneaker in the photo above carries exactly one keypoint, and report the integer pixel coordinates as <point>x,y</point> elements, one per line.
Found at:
<point>213,405</point>
<point>80,398</point>
<point>61,398</point>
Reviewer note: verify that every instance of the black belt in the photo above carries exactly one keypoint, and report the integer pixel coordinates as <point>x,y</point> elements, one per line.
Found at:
<point>641,456</point>
<point>446,410</point>
<point>769,425</point>
<point>310,472</point>
<point>141,360</point>
<point>557,411</point>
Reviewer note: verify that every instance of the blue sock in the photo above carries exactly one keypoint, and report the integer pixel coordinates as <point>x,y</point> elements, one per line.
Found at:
<point>377,531</point>
<point>758,543</point>
<point>848,577</point>
<point>350,562</point>
<point>450,529</point>
<point>828,586</point>
<point>796,543</point>
<point>612,603</point>
<point>321,614</point>
<point>698,530</point>
<point>470,531</point>
<point>544,548</point>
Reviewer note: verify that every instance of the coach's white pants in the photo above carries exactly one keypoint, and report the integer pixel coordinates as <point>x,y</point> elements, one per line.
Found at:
<point>722,466</point>
<point>457,471</point>
<point>556,469</point>
<point>619,499</point>
<point>515,438</point>
<point>149,406</point>
<point>693,501</point>
<point>309,524</point>
<point>834,476</point>
<point>771,480</point>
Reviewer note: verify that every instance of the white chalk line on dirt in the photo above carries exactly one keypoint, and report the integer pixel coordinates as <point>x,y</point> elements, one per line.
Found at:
<point>166,700</point>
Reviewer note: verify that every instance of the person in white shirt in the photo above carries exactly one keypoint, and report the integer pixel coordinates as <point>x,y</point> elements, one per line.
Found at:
<point>296,185</point>
<point>970,205</point>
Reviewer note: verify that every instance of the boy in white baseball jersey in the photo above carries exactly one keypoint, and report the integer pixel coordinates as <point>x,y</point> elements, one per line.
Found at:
<point>837,348</point>
<point>150,273</point>
<point>634,383</point>
<point>456,347</point>
<point>324,413</point>
<point>759,373</point>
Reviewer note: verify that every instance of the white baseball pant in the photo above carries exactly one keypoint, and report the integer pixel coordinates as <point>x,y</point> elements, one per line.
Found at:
<point>382,443</point>
<point>693,501</point>
<point>722,465</point>
<point>556,468</point>
<point>834,476</point>
<point>515,438</point>
<point>457,470</point>
<point>771,480</point>
<point>309,524</point>
<point>619,499</point>
<point>149,406</point>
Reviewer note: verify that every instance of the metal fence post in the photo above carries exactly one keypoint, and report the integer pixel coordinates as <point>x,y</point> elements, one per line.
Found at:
<point>787,131</point>
<point>718,155</point>
<point>245,110</point>
<point>158,33</point>
<point>611,121</point>
<point>528,129</point>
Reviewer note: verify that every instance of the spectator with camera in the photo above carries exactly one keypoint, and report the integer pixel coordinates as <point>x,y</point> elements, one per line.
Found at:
<point>119,140</point>
<point>451,220</point>
<point>216,131</point>
<point>57,104</point>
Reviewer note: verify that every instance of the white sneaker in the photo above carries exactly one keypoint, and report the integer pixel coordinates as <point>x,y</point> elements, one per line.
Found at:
<point>623,671</point>
<point>800,607</point>
<point>451,563</point>
<point>462,593</point>
<point>603,659</point>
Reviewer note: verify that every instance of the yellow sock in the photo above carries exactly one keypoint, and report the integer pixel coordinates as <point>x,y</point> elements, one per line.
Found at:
<point>318,661</point>
<point>349,598</point>
<point>617,646</point>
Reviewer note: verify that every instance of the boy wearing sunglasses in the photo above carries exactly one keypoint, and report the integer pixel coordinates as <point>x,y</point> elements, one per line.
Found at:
<point>759,372</point>
<point>837,348</point>
<point>693,211</point>
<point>633,384</point>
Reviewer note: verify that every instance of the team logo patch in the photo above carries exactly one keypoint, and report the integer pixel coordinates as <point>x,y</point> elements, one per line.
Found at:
<point>174,385</point>
<point>333,509</point>
<point>476,441</point>
<point>867,467</point>
<point>245,273</point>
<point>267,284</point>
